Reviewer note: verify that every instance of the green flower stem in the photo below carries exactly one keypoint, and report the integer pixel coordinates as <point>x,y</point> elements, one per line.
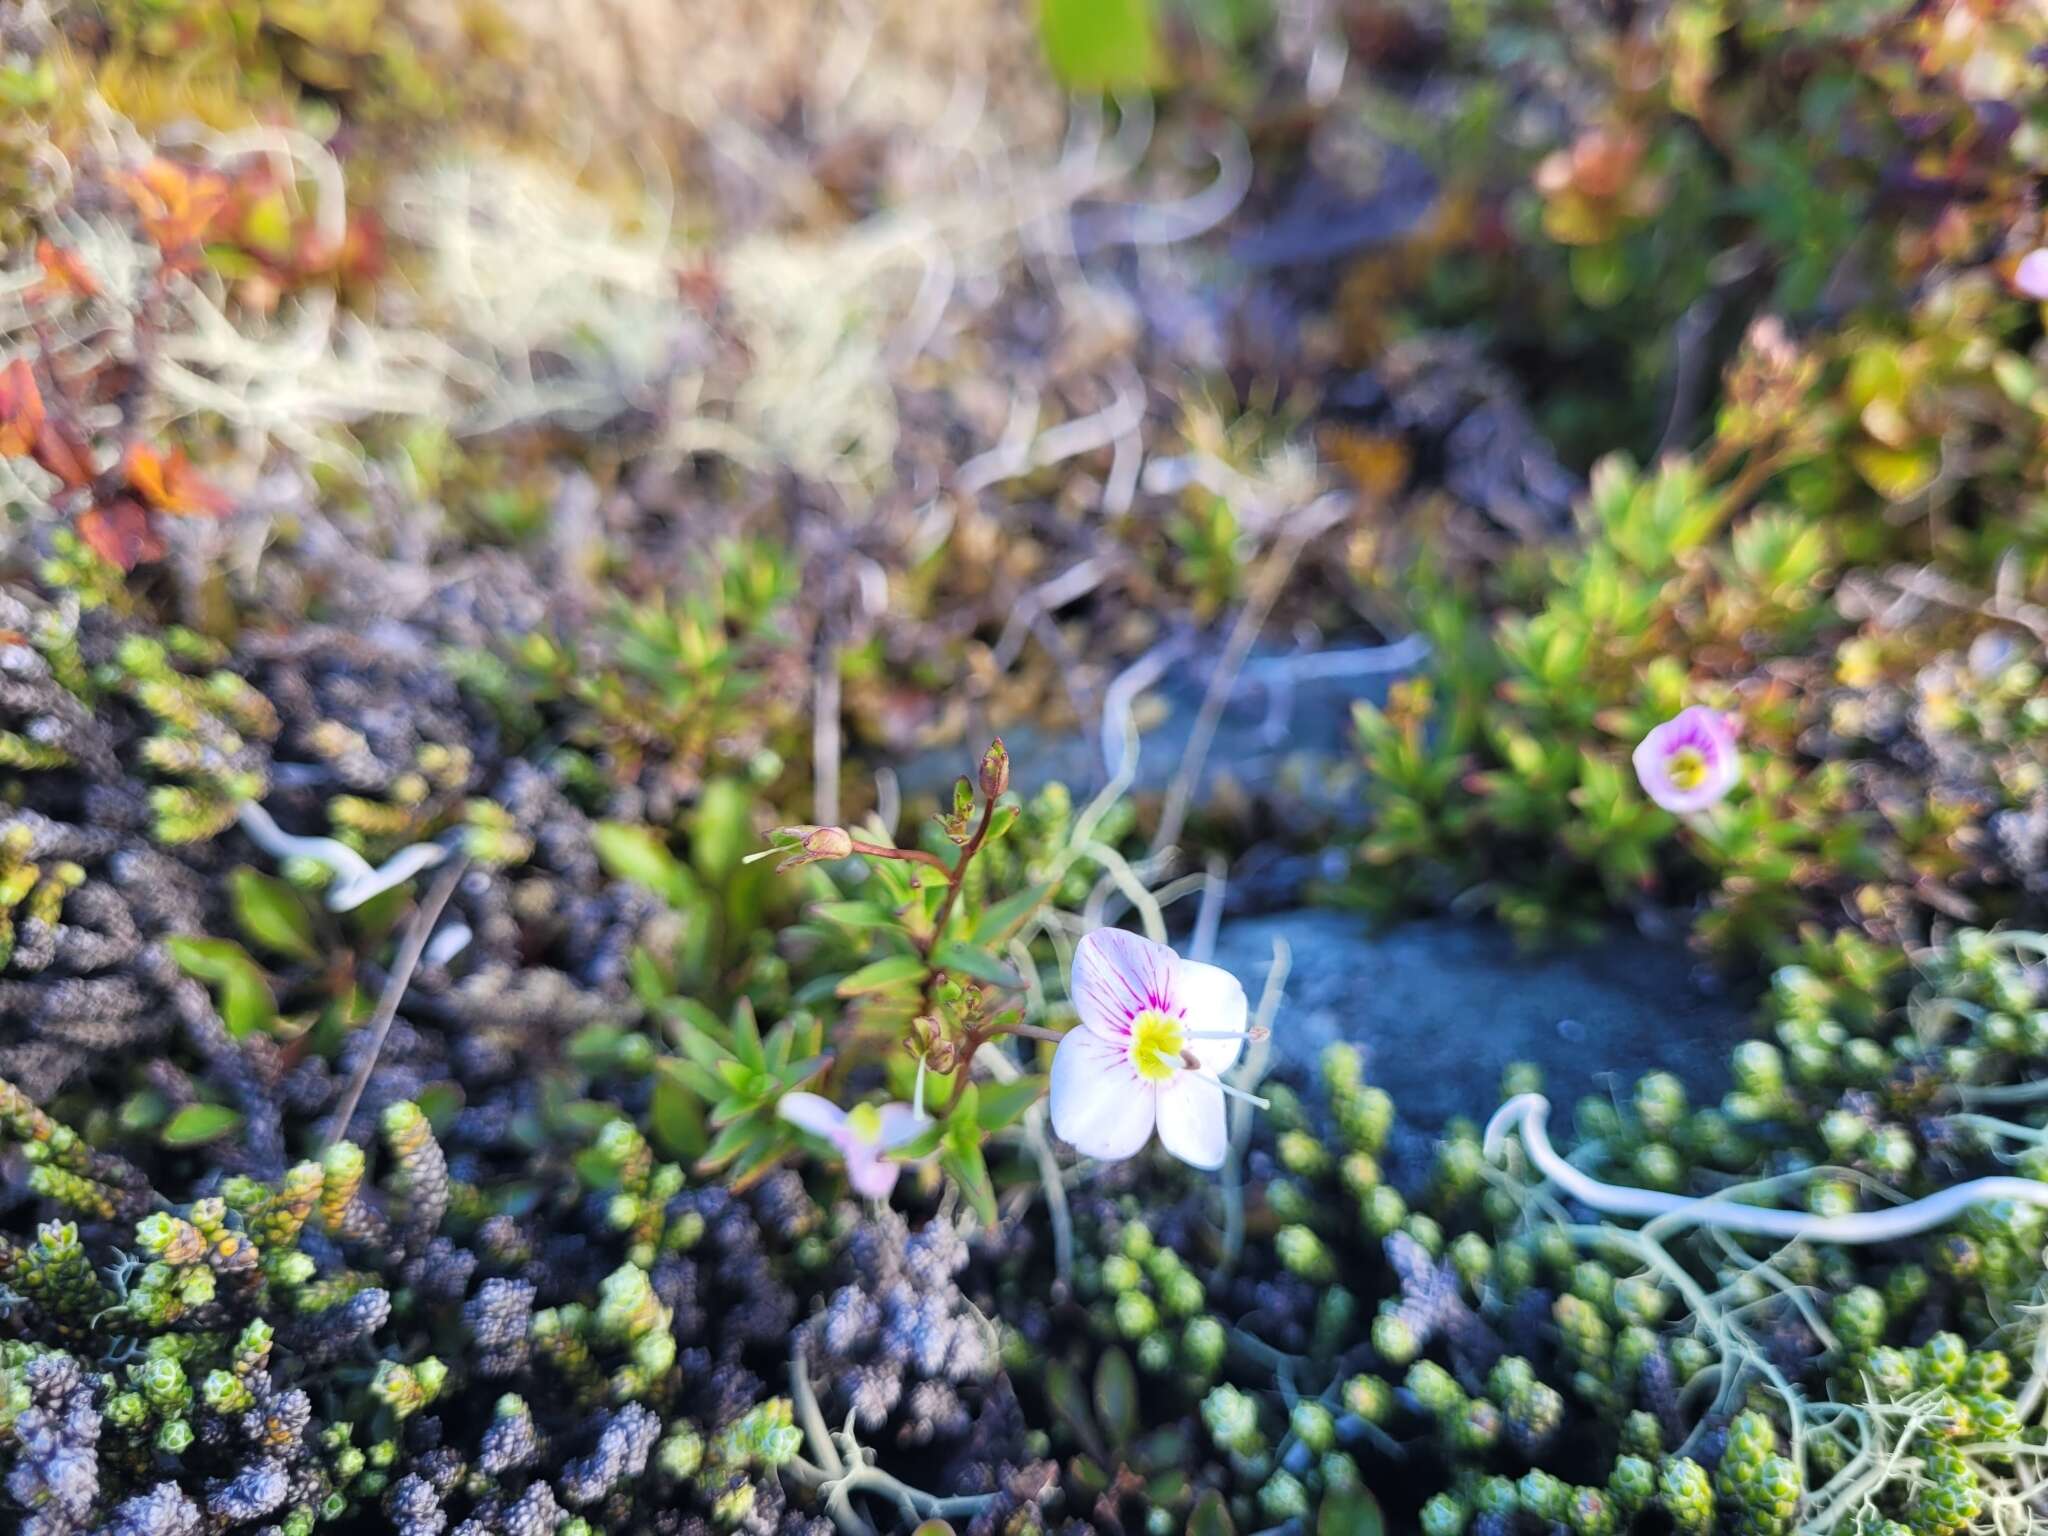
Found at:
<point>906,855</point>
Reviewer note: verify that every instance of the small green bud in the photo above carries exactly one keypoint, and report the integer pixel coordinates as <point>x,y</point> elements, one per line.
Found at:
<point>1370,1398</point>
<point>1313,1426</point>
<point>1443,1515</point>
<point>1136,1316</point>
<point>1202,1346</point>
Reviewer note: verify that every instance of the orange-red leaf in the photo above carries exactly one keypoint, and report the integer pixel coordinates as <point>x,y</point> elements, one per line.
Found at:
<point>175,204</point>
<point>170,484</point>
<point>121,533</point>
<point>61,451</point>
<point>63,272</point>
<point>21,409</point>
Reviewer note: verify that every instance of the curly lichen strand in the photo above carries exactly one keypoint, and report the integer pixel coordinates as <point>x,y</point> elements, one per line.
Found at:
<point>1527,1113</point>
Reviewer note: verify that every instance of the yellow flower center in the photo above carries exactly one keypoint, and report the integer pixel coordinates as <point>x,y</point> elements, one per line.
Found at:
<point>1687,769</point>
<point>1156,1043</point>
<point>865,1121</point>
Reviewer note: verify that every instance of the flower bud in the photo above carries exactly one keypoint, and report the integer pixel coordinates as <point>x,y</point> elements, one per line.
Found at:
<point>995,769</point>
<point>814,845</point>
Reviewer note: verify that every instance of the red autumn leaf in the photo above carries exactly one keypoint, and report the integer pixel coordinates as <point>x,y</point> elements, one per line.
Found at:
<point>63,272</point>
<point>362,257</point>
<point>60,450</point>
<point>21,409</point>
<point>170,484</point>
<point>121,533</point>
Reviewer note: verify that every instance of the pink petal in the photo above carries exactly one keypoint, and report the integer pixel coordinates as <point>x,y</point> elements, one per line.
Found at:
<point>2030,277</point>
<point>810,1112</point>
<point>1211,1000</point>
<point>868,1171</point>
<point>1100,1105</point>
<point>1192,1125</point>
<point>1117,976</point>
<point>1706,731</point>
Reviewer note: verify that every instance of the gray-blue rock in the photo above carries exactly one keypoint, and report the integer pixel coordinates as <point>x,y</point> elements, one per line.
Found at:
<point>1441,1005</point>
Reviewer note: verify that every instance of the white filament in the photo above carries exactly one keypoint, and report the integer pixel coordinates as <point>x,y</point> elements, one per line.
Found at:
<point>1529,1112</point>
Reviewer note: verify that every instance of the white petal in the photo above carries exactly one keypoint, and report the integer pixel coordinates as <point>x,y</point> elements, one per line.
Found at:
<point>1100,1105</point>
<point>1117,976</point>
<point>1211,1001</point>
<point>812,1112</point>
<point>1192,1125</point>
<point>901,1123</point>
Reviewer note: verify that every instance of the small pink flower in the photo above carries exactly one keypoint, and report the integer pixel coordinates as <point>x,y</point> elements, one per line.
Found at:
<point>1156,1032</point>
<point>864,1136</point>
<point>1689,762</point>
<point>2030,277</point>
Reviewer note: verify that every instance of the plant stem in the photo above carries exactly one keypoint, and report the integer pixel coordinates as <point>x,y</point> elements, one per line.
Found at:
<point>958,873</point>
<point>907,855</point>
<point>963,1073</point>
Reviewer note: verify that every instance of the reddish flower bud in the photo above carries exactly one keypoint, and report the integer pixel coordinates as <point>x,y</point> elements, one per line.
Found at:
<point>995,769</point>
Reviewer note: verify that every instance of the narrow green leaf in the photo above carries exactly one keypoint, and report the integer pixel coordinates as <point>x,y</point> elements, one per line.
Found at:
<point>746,1037</point>
<point>699,1080</point>
<point>243,993</point>
<point>855,914</point>
<point>963,1127</point>
<point>881,975</point>
<point>997,924</point>
<point>635,853</point>
<point>971,960</point>
<point>272,914</point>
<point>675,1119</point>
<point>967,1169</point>
<point>1069,1401</point>
<point>699,1047</point>
<point>721,829</point>
<point>594,1047</point>
<point>650,985</point>
<point>197,1124</point>
<point>143,1111</point>
<point>1116,1396</point>
<point>737,1138</point>
<point>1002,1103</point>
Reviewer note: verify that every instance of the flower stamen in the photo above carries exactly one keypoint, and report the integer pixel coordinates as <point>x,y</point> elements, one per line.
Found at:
<point>1157,1043</point>
<point>1687,768</point>
<point>1239,1093</point>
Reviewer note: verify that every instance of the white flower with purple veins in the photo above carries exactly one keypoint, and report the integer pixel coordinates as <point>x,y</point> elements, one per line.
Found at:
<point>864,1136</point>
<point>1689,762</point>
<point>1156,1032</point>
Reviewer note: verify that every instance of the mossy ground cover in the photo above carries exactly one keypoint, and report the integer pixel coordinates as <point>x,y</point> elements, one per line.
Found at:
<point>488,1045</point>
